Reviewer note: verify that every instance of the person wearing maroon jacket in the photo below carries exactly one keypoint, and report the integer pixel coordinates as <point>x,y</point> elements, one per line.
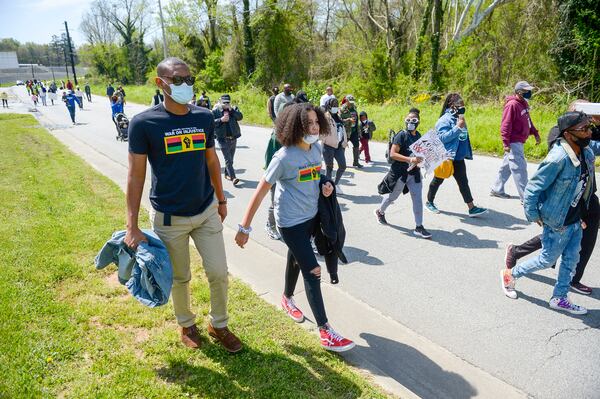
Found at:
<point>515,128</point>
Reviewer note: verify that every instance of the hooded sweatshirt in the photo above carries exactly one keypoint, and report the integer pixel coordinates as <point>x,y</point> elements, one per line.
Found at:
<point>516,125</point>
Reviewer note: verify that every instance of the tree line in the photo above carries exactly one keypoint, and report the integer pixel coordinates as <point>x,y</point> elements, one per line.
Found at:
<point>377,49</point>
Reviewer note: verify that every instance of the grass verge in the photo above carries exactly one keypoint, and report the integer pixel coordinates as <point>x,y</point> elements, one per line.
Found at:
<point>67,330</point>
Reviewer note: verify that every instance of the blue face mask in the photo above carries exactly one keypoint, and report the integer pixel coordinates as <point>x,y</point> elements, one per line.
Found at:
<point>527,95</point>
<point>181,94</point>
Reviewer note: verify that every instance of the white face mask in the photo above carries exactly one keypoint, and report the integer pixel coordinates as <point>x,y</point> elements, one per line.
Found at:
<point>181,94</point>
<point>310,138</point>
<point>411,126</point>
<point>334,110</point>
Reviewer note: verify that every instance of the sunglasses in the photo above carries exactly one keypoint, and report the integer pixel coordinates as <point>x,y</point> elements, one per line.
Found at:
<point>178,80</point>
<point>411,120</point>
<point>582,129</point>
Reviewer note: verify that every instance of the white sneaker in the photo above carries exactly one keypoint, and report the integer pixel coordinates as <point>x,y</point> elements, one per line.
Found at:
<point>566,305</point>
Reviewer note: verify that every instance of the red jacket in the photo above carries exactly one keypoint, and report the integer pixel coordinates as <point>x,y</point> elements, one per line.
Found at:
<point>516,125</point>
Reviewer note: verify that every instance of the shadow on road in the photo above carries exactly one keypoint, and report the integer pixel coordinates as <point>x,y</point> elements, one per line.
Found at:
<point>461,238</point>
<point>591,319</point>
<point>360,255</point>
<point>362,199</point>
<point>413,370</point>
<point>492,218</point>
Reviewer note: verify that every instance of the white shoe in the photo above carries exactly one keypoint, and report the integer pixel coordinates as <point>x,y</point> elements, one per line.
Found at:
<point>339,191</point>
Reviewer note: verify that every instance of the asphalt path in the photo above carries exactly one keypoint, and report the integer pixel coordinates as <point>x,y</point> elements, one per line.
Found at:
<point>446,289</point>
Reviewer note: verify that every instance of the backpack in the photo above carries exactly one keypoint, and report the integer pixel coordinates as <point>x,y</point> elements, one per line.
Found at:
<point>391,136</point>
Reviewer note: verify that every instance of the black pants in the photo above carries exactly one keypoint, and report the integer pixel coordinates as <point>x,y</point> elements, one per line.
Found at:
<point>460,175</point>
<point>89,96</point>
<point>588,241</point>
<point>301,258</point>
<point>355,148</point>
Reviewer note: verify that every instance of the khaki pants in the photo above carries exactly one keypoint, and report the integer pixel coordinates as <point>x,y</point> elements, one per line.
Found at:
<point>206,230</point>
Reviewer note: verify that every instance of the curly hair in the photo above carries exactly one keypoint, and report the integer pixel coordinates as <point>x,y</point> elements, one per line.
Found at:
<point>451,99</point>
<point>292,123</point>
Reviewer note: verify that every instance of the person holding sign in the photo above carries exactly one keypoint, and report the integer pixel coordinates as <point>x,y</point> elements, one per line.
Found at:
<point>296,170</point>
<point>452,131</point>
<point>404,174</point>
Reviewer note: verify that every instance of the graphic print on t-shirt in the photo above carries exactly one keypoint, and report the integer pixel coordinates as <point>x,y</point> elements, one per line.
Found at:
<point>310,173</point>
<point>184,140</point>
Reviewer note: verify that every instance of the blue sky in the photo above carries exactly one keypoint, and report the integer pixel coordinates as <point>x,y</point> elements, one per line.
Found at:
<point>37,20</point>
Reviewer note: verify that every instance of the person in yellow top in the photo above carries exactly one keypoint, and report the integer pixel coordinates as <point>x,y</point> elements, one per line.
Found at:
<point>4,97</point>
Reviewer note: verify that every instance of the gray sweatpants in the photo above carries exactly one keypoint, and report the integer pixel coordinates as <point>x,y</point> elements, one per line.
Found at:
<point>416,194</point>
<point>513,163</point>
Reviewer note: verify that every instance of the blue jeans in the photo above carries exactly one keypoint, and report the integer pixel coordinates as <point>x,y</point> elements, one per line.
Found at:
<point>565,243</point>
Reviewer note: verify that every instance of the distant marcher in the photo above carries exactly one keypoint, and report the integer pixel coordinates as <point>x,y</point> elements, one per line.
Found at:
<point>116,106</point>
<point>301,97</point>
<point>43,93</point>
<point>4,97</point>
<point>204,101</point>
<point>404,174</point>
<point>334,143</point>
<point>227,131</point>
<point>79,95</point>
<point>52,93</point>
<point>325,97</point>
<point>70,100</point>
<point>366,128</point>
<point>193,101</point>
<point>110,91</point>
<point>350,117</point>
<point>69,85</point>
<point>515,128</point>
<point>281,99</point>
<point>271,103</point>
<point>295,168</point>
<point>451,129</point>
<point>88,92</point>
<point>34,99</point>
<point>120,92</point>
<point>158,98</point>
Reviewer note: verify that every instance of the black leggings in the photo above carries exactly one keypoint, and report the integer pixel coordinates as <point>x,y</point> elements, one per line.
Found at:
<point>300,257</point>
<point>588,241</point>
<point>460,175</point>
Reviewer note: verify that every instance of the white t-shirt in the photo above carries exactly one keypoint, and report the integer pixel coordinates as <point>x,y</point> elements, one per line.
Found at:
<point>324,98</point>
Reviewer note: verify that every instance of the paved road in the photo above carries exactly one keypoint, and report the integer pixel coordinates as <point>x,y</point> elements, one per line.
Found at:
<point>446,290</point>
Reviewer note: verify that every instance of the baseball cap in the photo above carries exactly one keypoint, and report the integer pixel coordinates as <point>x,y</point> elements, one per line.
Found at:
<point>523,85</point>
<point>570,119</point>
<point>350,98</point>
<point>226,98</point>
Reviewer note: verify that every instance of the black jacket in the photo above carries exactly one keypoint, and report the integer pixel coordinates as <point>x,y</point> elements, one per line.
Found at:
<point>330,233</point>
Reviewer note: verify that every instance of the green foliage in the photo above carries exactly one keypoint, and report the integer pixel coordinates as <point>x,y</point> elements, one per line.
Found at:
<point>577,46</point>
<point>211,76</point>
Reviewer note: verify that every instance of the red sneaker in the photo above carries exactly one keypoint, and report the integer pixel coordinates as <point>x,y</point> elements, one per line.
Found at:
<point>332,341</point>
<point>290,308</point>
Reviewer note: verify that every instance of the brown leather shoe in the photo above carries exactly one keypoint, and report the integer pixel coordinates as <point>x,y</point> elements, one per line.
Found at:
<point>230,342</point>
<point>190,336</point>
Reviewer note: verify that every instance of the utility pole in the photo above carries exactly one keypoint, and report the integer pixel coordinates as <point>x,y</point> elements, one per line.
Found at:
<point>71,53</point>
<point>66,62</point>
<point>162,25</point>
<point>32,74</point>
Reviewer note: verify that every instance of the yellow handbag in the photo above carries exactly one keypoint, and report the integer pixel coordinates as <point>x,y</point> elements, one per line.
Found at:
<point>445,170</point>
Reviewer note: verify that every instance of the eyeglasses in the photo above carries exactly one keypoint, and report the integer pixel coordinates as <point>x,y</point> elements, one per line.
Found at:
<point>178,80</point>
<point>411,120</point>
<point>582,129</point>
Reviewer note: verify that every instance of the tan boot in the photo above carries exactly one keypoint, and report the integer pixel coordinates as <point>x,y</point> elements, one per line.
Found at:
<point>230,342</point>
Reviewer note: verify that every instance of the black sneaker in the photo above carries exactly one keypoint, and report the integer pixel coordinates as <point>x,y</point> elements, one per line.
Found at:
<point>357,165</point>
<point>380,217</point>
<point>421,232</point>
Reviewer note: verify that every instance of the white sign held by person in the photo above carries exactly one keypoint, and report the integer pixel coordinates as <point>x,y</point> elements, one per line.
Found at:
<point>431,149</point>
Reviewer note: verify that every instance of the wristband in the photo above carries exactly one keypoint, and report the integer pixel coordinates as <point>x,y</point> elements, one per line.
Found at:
<point>223,202</point>
<point>244,230</point>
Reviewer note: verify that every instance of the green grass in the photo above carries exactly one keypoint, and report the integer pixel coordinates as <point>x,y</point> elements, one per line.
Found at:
<point>67,330</point>
<point>483,119</point>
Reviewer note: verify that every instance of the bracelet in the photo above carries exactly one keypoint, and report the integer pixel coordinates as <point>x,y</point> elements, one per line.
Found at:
<point>223,202</point>
<point>244,230</point>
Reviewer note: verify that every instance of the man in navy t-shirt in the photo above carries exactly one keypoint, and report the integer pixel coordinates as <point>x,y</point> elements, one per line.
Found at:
<point>178,141</point>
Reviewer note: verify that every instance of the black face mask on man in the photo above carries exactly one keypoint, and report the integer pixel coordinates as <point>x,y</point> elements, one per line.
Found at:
<point>581,142</point>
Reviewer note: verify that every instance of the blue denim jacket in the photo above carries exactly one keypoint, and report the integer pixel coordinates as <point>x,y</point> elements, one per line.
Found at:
<point>147,274</point>
<point>451,135</point>
<point>549,193</point>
